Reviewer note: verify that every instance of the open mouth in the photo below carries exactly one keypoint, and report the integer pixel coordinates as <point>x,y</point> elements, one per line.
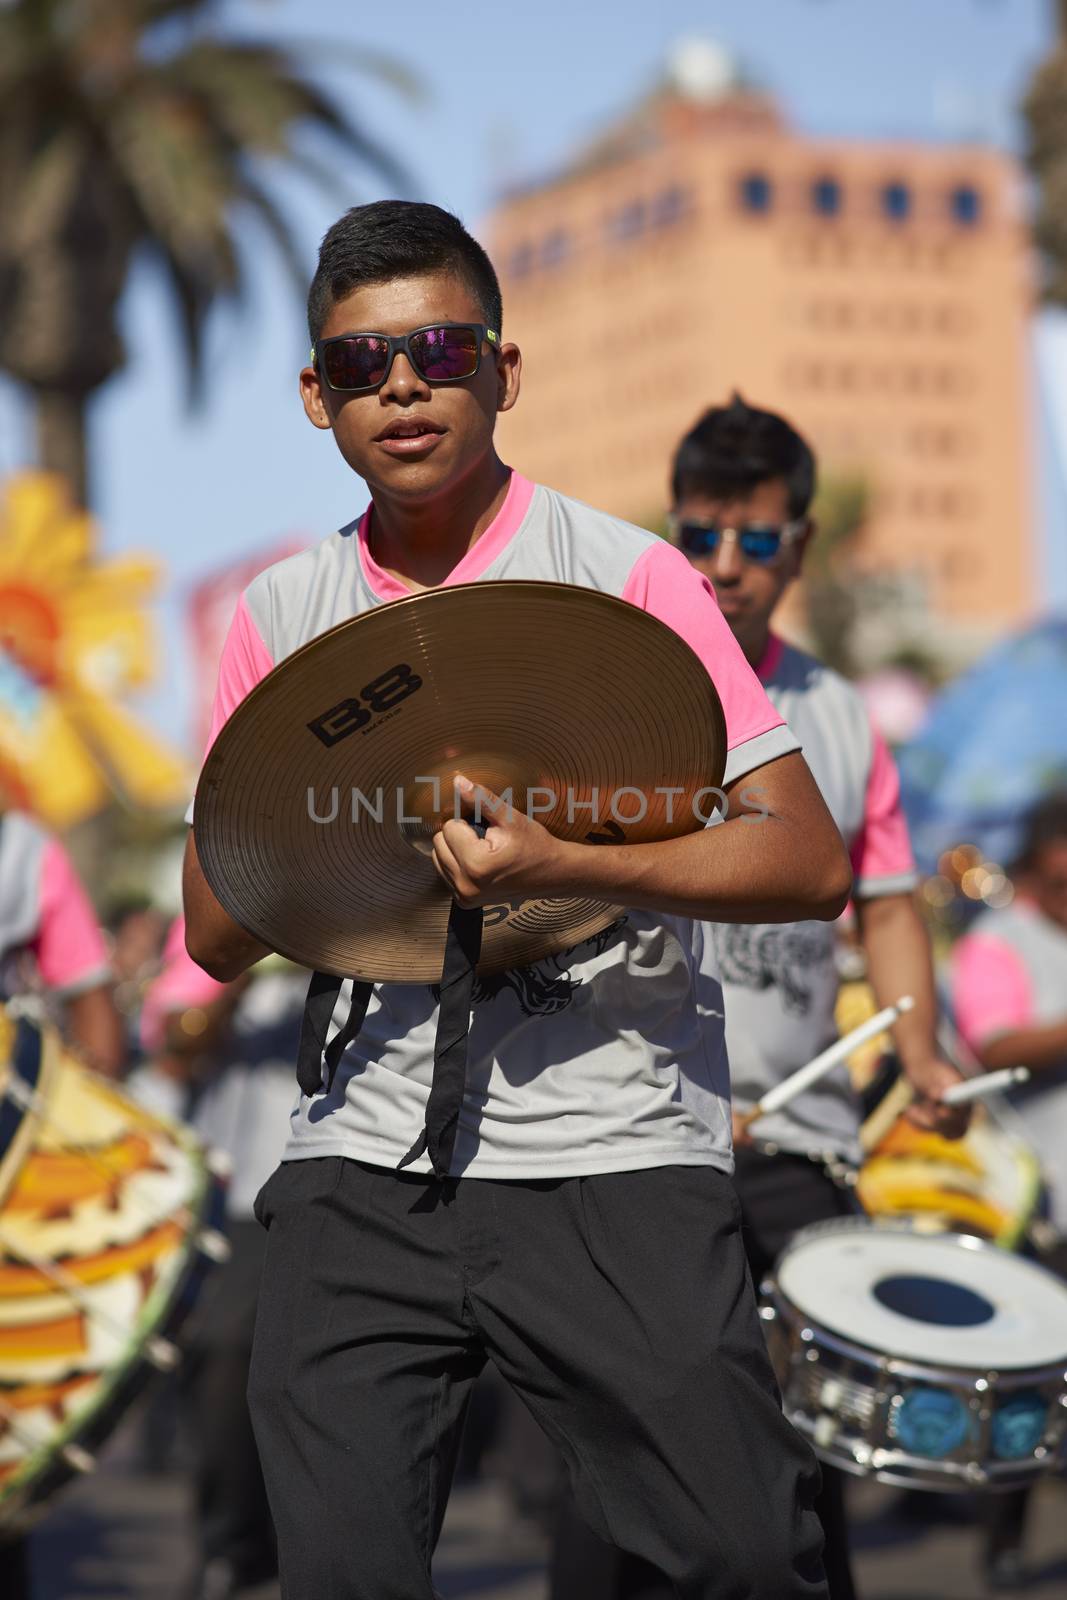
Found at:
<point>409,432</point>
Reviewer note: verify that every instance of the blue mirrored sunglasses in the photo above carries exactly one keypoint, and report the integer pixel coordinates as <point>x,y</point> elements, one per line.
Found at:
<point>761,542</point>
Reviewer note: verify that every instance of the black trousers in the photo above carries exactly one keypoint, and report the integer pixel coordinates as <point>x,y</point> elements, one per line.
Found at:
<point>619,1307</point>
<point>778,1195</point>
<point>234,1521</point>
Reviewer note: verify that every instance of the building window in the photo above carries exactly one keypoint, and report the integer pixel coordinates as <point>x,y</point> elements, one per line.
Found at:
<point>896,201</point>
<point>669,207</point>
<point>522,260</point>
<point>756,191</point>
<point>556,248</point>
<point>628,223</point>
<point>966,205</point>
<point>826,196</point>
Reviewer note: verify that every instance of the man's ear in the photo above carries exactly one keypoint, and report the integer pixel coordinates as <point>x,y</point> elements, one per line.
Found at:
<point>508,374</point>
<point>312,396</point>
<point>803,545</point>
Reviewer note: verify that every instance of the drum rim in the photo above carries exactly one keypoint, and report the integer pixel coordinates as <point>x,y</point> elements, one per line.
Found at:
<point>868,1355</point>
<point>906,1471</point>
<point>1000,1378</point>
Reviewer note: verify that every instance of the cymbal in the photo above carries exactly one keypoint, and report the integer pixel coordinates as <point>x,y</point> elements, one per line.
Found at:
<point>318,802</point>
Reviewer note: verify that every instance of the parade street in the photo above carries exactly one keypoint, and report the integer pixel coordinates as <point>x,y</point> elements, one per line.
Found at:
<point>124,1535</point>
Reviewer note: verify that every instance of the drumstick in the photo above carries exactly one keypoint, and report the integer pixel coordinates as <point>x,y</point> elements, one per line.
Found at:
<point>803,1079</point>
<point>961,1094</point>
<point>886,1113</point>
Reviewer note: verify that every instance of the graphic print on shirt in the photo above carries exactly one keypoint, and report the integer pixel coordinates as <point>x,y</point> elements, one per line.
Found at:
<point>547,986</point>
<point>782,958</point>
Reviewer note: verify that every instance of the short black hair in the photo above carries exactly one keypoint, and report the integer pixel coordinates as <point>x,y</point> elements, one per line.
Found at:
<point>735,448</point>
<point>1045,825</point>
<point>398,239</point>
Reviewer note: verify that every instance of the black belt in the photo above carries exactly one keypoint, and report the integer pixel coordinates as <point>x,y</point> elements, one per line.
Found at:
<point>463,944</point>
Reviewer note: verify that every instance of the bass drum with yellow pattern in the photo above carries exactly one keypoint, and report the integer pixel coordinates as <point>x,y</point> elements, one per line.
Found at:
<point>987,1184</point>
<point>109,1218</point>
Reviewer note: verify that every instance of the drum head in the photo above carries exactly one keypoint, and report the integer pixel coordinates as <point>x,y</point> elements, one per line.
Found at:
<point>945,1299</point>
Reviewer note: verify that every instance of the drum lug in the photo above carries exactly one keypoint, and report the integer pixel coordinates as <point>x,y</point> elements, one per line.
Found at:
<point>77,1459</point>
<point>163,1355</point>
<point>215,1245</point>
<point>975,1473</point>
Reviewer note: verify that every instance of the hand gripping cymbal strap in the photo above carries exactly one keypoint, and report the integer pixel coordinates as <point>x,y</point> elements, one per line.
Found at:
<point>463,946</point>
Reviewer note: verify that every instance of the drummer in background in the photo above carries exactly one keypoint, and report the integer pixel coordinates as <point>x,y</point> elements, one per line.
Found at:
<point>742,485</point>
<point>227,1050</point>
<point>1009,993</point>
<point>51,944</point>
<point>743,482</point>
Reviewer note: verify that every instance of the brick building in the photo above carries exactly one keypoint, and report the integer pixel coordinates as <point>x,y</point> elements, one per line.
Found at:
<point>877,293</point>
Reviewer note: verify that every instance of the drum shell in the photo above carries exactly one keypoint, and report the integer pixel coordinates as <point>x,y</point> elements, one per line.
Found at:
<point>844,1397</point>
<point>86,1157</point>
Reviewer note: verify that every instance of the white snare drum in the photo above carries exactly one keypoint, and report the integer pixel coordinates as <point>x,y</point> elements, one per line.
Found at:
<point>931,1360</point>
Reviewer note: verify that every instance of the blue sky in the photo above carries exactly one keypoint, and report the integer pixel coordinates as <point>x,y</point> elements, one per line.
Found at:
<point>510,91</point>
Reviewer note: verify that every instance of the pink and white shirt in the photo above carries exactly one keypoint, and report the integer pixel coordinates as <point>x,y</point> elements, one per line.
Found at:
<point>1008,973</point>
<point>780,980</point>
<point>45,913</point>
<point>599,1059</point>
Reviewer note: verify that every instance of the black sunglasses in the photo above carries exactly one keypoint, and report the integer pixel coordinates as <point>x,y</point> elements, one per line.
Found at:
<point>445,352</point>
<point>761,542</point>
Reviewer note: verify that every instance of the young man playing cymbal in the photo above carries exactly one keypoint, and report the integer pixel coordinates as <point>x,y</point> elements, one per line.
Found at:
<point>583,1233</point>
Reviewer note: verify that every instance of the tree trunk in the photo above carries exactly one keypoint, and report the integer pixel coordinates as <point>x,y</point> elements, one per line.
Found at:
<point>61,439</point>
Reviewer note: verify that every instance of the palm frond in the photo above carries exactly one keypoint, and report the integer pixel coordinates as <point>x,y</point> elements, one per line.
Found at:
<point>135,113</point>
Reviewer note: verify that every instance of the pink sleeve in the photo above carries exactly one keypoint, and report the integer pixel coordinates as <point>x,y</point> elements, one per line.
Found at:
<point>990,989</point>
<point>180,985</point>
<point>70,949</point>
<point>663,583</point>
<point>245,661</point>
<point>882,862</point>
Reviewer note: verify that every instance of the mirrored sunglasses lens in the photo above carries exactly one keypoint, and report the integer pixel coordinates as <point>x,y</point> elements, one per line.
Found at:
<point>761,544</point>
<point>444,354</point>
<point>359,363</point>
<point>697,538</point>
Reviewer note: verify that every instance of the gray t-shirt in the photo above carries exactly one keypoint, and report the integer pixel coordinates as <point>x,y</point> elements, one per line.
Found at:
<point>609,1056</point>
<point>780,980</point>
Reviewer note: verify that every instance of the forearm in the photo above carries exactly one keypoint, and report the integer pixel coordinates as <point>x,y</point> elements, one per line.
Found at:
<point>218,944</point>
<point>95,1027</point>
<point>1036,1048</point>
<point>898,963</point>
<point>784,864</point>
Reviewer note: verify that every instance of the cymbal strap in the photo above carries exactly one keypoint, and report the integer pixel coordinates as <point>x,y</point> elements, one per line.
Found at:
<point>318,1012</point>
<point>463,944</point>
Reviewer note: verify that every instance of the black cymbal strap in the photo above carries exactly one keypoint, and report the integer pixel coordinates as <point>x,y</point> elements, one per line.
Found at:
<point>318,1011</point>
<point>463,946</point>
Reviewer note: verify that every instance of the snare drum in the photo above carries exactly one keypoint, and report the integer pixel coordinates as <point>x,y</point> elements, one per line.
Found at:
<point>108,1218</point>
<point>932,1360</point>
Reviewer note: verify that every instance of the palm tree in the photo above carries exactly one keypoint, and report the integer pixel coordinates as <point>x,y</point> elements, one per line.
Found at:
<point>1045,113</point>
<point>127,125</point>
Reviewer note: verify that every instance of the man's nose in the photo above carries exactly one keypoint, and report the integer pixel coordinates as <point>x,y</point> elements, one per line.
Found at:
<point>728,559</point>
<point>402,382</point>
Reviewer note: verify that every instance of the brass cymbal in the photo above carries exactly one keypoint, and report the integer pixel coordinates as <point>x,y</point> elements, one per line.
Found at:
<point>319,799</point>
